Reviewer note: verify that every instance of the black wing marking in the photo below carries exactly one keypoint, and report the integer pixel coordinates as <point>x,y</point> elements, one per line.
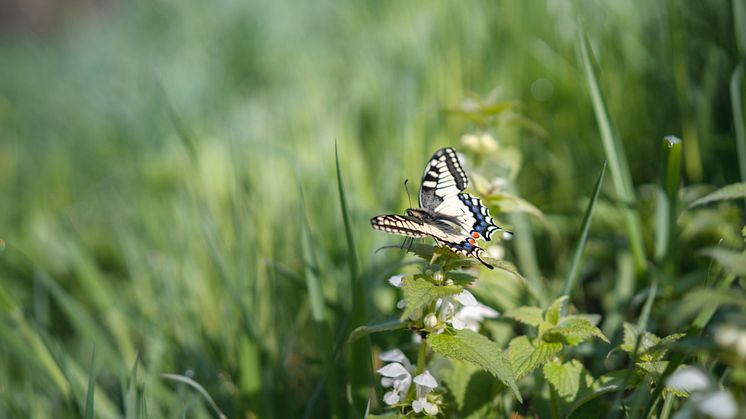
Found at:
<point>468,247</point>
<point>400,224</point>
<point>479,220</point>
<point>443,179</point>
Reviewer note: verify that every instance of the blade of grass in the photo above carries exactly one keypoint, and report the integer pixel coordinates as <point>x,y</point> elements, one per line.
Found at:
<point>324,341</point>
<point>666,222</point>
<point>201,390</point>
<point>617,161</point>
<point>91,386</point>
<point>360,364</point>
<point>585,225</point>
<point>738,123</point>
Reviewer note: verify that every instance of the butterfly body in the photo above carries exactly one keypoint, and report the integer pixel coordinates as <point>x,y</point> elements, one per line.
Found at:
<point>453,218</point>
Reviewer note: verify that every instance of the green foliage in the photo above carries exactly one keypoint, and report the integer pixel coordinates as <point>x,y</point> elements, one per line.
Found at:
<point>468,346</point>
<point>418,293</point>
<point>151,160</point>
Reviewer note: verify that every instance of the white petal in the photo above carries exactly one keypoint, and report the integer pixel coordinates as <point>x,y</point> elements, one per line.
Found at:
<point>417,406</point>
<point>396,280</point>
<point>391,398</point>
<point>402,385</point>
<point>426,380</point>
<point>457,323</point>
<point>393,355</point>
<point>719,405</point>
<point>466,298</point>
<point>478,313</point>
<point>393,370</point>
<point>688,379</point>
<point>387,382</point>
<point>430,408</point>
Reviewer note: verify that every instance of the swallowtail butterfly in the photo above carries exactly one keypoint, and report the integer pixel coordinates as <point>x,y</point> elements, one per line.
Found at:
<point>453,218</point>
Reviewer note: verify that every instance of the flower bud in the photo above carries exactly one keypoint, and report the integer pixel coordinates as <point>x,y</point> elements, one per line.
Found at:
<point>431,321</point>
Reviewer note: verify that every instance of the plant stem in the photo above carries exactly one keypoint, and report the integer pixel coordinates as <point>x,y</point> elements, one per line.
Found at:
<point>421,357</point>
<point>667,406</point>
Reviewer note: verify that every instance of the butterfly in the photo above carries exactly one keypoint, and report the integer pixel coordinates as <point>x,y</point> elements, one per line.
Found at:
<point>453,218</point>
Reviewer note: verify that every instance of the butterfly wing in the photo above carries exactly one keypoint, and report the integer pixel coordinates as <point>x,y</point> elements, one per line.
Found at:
<point>401,224</point>
<point>443,179</point>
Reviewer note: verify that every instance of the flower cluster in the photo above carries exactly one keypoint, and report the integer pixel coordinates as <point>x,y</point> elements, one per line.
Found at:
<point>460,311</point>
<point>397,375</point>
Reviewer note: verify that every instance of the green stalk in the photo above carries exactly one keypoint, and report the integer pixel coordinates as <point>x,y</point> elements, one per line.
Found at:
<point>577,254</point>
<point>667,202</point>
<point>617,160</point>
<point>421,358</point>
<point>360,364</point>
<point>324,341</point>
<point>738,123</point>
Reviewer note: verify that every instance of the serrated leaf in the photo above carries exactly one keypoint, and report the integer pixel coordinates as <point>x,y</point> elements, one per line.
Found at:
<point>419,292</point>
<point>658,351</point>
<point>648,340</point>
<point>607,383</point>
<point>457,380</point>
<point>552,314</point>
<point>532,316</point>
<point>525,355</point>
<point>573,331</point>
<point>471,387</point>
<point>732,191</point>
<point>469,346</point>
<point>654,369</point>
<point>567,379</point>
<point>461,278</point>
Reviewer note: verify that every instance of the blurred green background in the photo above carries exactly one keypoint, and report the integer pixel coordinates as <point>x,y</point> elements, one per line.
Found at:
<point>159,160</point>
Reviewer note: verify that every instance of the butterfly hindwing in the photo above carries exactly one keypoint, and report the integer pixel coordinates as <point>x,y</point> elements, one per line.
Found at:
<point>443,179</point>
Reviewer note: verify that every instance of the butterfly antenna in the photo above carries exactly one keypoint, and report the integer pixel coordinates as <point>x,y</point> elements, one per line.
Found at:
<point>407,189</point>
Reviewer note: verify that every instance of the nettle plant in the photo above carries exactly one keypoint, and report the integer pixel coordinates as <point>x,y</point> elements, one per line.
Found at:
<point>459,371</point>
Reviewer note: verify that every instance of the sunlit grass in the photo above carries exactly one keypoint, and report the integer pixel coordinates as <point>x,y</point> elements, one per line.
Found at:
<point>152,159</point>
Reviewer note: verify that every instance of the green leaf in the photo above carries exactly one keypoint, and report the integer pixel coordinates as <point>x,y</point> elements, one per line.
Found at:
<point>552,314</point>
<point>607,383</point>
<point>471,387</point>
<point>91,386</point>
<point>461,278</point>
<point>732,191</point>
<point>196,386</point>
<point>585,225</point>
<point>525,355</point>
<point>567,379</point>
<point>572,331</point>
<point>531,316</point>
<point>419,292</point>
<point>630,340</point>
<point>469,346</point>
<point>384,326</point>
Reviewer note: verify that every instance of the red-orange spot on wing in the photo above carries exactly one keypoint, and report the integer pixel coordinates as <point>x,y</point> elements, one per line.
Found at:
<point>475,235</point>
<point>472,241</point>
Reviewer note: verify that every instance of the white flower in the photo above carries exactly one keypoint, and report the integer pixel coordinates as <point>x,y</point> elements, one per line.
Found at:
<point>719,404</point>
<point>469,314</point>
<point>688,379</point>
<point>425,383</point>
<point>396,375</point>
<point>470,317</point>
<point>396,280</point>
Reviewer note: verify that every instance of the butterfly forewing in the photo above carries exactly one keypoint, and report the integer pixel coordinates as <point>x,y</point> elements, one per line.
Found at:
<point>442,180</point>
